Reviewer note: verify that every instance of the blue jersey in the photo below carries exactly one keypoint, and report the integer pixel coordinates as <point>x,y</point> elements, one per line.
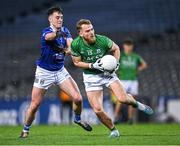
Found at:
<point>52,52</point>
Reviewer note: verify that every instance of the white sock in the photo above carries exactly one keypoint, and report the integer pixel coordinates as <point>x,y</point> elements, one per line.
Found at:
<point>25,130</point>
<point>140,106</point>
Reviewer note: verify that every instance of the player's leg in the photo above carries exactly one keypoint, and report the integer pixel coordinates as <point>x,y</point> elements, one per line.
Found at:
<point>96,101</point>
<point>131,112</point>
<point>133,90</point>
<point>125,98</point>
<point>70,87</point>
<point>43,80</point>
<point>37,94</point>
<point>117,108</point>
<point>117,112</point>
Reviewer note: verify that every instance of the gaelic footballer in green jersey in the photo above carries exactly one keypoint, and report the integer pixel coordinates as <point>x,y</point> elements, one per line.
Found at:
<point>87,49</point>
<point>90,53</point>
<point>131,65</point>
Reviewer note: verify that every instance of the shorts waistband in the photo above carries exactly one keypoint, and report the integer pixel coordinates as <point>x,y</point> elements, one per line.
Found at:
<point>48,71</point>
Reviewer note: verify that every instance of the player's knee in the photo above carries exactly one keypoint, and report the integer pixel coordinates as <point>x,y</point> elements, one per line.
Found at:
<point>122,99</point>
<point>126,99</point>
<point>97,110</point>
<point>77,97</point>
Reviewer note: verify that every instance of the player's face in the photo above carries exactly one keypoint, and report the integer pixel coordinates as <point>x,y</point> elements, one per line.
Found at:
<point>56,19</point>
<point>128,48</point>
<point>87,32</point>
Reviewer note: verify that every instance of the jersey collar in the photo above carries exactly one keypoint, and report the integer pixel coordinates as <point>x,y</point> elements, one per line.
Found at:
<point>53,28</point>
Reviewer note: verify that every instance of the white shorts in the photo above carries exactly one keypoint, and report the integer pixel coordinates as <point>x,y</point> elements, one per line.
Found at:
<point>45,78</point>
<point>131,86</point>
<point>96,82</point>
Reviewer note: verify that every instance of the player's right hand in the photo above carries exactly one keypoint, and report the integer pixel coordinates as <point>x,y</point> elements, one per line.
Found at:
<point>97,65</point>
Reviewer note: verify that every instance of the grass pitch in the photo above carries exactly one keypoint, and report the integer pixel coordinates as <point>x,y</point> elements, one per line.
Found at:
<point>141,134</point>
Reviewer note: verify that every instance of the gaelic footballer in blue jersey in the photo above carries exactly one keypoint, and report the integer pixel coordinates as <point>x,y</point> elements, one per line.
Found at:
<point>53,51</point>
<point>55,43</point>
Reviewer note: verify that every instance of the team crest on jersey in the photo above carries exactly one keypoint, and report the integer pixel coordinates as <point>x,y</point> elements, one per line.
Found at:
<point>98,51</point>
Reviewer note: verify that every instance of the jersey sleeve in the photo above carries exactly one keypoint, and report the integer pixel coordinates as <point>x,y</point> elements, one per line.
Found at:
<point>67,32</point>
<point>108,43</point>
<point>45,31</point>
<point>139,59</point>
<point>74,49</point>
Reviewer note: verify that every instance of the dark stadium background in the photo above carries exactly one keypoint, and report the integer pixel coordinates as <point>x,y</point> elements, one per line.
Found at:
<point>153,24</point>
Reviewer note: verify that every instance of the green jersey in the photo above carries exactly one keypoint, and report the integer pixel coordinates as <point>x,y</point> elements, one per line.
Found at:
<point>128,68</point>
<point>89,53</point>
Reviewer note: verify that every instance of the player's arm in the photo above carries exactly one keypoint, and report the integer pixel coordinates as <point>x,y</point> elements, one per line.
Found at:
<point>77,62</point>
<point>115,51</point>
<point>76,56</point>
<point>142,66</point>
<point>68,49</point>
<point>51,36</point>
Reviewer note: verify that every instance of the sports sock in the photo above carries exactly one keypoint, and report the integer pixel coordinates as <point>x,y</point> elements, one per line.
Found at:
<point>77,117</point>
<point>26,128</point>
<point>140,106</point>
<point>130,121</point>
<point>114,128</point>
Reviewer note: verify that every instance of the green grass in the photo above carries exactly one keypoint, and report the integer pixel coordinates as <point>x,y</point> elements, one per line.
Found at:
<point>141,134</point>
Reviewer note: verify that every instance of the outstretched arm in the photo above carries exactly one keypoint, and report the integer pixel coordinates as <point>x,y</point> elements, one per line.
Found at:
<point>51,36</point>
<point>68,49</point>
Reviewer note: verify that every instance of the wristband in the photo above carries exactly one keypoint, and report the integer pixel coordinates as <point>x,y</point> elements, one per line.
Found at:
<point>90,65</point>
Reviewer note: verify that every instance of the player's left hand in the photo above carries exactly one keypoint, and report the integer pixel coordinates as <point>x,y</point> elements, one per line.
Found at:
<point>58,33</point>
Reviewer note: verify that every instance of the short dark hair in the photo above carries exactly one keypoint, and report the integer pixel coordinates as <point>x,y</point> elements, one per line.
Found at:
<point>128,42</point>
<point>81,22</point>
<point>54,9</point>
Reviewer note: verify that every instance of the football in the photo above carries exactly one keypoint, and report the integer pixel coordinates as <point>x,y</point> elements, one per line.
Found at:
<point>109,62</point>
